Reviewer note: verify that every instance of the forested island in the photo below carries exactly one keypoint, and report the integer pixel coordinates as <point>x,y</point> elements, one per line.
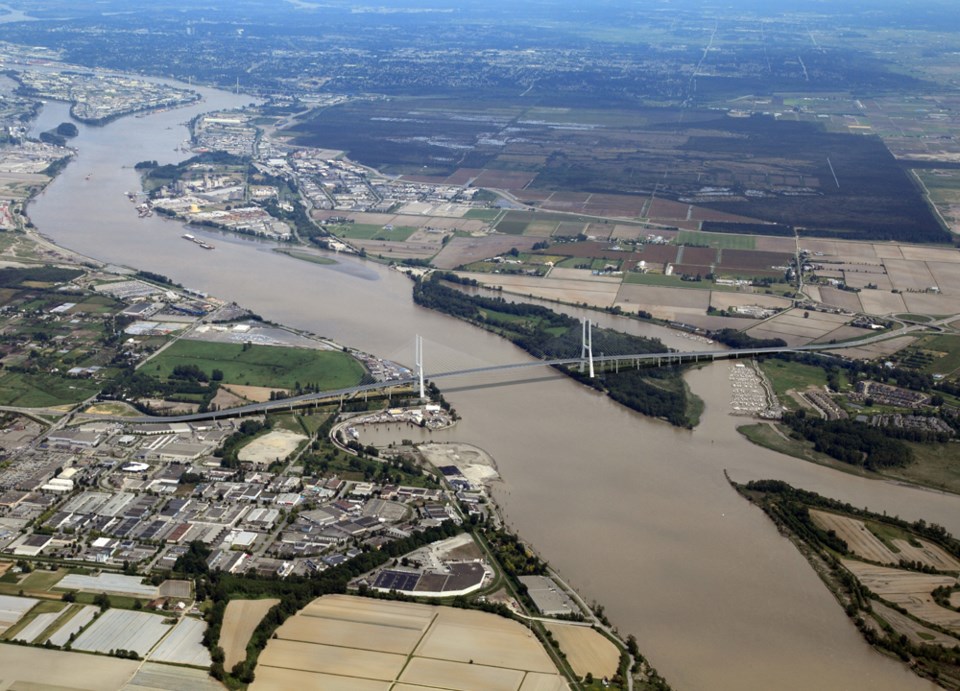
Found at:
<point>655,391</point>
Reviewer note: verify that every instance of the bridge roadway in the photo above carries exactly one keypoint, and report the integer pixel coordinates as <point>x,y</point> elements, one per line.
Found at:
<point>667,358</point>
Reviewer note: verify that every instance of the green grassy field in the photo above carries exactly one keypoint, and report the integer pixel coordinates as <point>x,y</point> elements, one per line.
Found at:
<point>97,304</point>
<point>950,346</point>
<point>483,214</point>
<point>43,390</point>
<point>935,465</point>
<point>366,231</point>
<point>652,279</point>
<point>792,375</point>
<point>261,365</point>
<point>43,580</point>
<point>725,242</point>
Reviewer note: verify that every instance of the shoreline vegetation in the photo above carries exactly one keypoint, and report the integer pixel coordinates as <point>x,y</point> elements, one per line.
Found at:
<point>891,600</point>
<point>656,392</point>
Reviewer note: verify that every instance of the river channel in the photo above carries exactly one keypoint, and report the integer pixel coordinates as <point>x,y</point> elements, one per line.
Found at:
<point>635,513</point>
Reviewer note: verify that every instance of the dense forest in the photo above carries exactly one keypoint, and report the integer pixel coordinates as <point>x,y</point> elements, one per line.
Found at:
<point>655,391</point>
<point>851,442</point>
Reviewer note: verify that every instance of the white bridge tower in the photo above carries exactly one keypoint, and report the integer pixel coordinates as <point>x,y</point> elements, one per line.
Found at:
<point>418,347</point>
<point>586,346</point>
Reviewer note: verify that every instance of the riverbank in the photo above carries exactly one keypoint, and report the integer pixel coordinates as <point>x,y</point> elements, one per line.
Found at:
<point>569,457</point>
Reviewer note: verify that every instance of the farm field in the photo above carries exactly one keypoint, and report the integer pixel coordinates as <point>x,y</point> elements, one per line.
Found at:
<point>796,329</point>
<point>916,632</point>
<point>43,390</point>
<point>930,303</point>
<point>110,583</point>
<point>663,302</point>
<point>365,231</point>
<point>586,650</point>
<point>343,642</point>
<point>12,608</point>
<point>184,645</point>
<point>260,365</point>
<point>156,676</point>
<point>239,621</point>
<point>908,589</point>
<point>461,251</point>
<point>38,625</point>
<point>722,300</point>
<point>37,668</point>
<point>463,635</point>
<point>76,621</point>
<point>879,349</point>
<point>596,293</point>
<point>864,543</point>
<point>118,629</point>
<point>863,193</point>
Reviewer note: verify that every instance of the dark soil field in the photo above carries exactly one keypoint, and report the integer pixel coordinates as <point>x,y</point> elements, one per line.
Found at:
<point>699,255</point>
<point>701,167</point>
<point>752,259</point>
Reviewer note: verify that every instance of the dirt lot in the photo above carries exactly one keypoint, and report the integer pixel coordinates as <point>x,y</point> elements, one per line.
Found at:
<point>257,394</point>
<point>276,445</point>
<point>239,621</point>
<point>344,642</point>
<point>227,399</point>
<point>475,463</point>
<point>909,590</point>
<point>586,650</point>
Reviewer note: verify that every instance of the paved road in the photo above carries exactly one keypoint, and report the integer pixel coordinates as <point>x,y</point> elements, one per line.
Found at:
<point>664,358</point>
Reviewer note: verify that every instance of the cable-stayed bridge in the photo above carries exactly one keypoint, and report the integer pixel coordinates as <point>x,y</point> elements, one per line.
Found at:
<point>587,362</point>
